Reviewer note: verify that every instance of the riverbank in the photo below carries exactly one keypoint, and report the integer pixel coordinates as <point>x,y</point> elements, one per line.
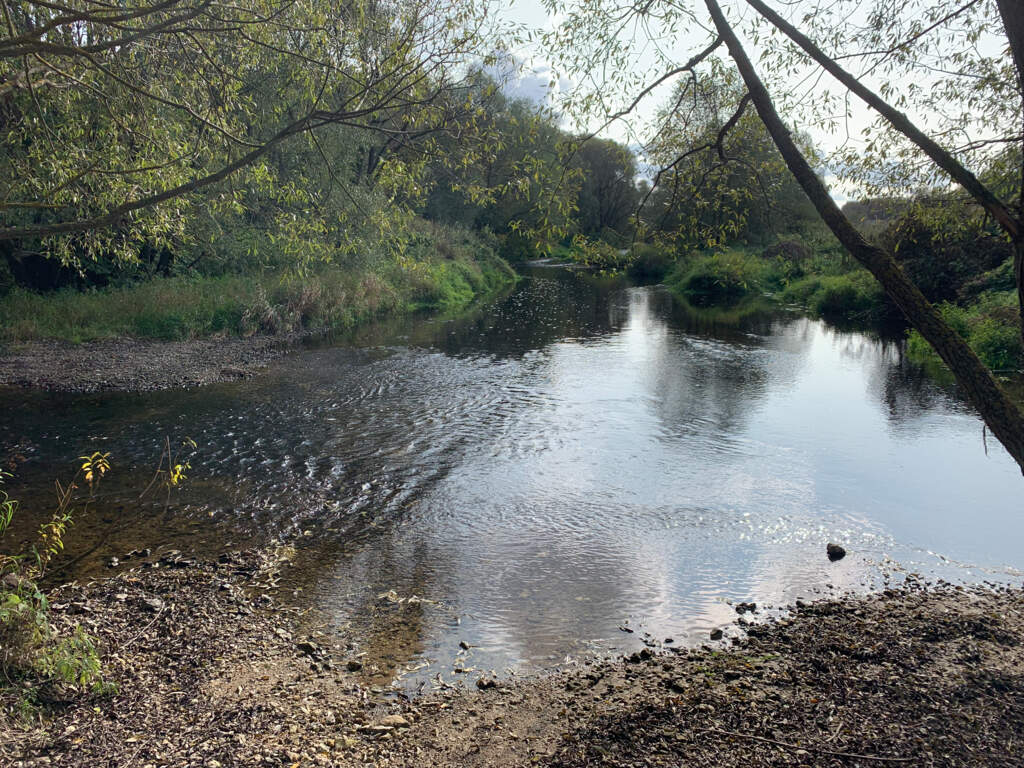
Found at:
<point>189,332</point>
<point>138,365</point>
<point>214,669</point>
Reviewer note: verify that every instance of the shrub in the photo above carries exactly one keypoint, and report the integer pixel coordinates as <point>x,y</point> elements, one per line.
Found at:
<point>721,278</point>
<point>990,327</point>
<point>650,262</point>
<point>854,295</point>
<point>32,654</point>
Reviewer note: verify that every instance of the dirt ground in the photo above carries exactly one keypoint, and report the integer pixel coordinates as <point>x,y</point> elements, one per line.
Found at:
<point>134,365</point>
<point>212,670</point>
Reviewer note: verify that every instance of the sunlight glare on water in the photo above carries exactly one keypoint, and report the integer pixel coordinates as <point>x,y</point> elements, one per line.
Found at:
<point>579,457</point>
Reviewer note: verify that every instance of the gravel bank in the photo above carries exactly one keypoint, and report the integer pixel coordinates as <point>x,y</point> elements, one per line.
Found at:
<point>134,365</point>
<point>212,671</point>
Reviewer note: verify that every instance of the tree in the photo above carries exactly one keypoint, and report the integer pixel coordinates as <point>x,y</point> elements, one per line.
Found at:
<point>116,119</point>
<point>597,33</point>
<point>720,176</point>
<point>607,187</point>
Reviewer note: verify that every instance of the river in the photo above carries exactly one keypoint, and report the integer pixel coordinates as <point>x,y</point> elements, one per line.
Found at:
<point>578,467</point>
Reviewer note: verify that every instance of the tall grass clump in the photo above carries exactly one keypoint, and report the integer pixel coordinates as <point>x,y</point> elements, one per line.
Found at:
<point>855,295</point>
<point>441,268</point>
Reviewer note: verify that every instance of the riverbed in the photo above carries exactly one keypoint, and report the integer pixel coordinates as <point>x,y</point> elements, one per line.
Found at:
<point>580,467</point>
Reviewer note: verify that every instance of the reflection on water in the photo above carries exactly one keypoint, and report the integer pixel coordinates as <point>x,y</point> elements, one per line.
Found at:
<point>579,457</point>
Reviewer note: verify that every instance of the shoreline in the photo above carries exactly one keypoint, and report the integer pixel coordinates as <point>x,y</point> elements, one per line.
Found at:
<point>140,365</point>
<point>213,670</point>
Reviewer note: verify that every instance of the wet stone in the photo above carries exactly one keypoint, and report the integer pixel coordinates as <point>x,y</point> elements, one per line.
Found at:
<point>834,552</point>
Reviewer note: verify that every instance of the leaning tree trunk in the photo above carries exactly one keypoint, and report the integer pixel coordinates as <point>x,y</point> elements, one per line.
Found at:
<point>1013,21</point>
<point>999,412</point>
<point>1012,13</point>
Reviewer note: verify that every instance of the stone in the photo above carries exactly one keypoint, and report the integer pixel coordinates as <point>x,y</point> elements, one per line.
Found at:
<point>716,634</point>
<point>354,665</point>
<point>153,604</point>
<point>835,552</point>
<point>309,648</point>
<point>394,721</point>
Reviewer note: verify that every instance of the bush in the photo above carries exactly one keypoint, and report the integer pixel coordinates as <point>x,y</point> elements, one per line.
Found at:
<point>721,278</point>
<point>32,655</point>
<point>855,295</point>
<point>650,262</point>
<point>990,327</point>
<point>944,250</point>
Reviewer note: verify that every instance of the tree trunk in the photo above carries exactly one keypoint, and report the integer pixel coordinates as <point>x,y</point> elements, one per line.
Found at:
<point>999,412</point>
<point>1012,12</point>
<point>1013,20</point>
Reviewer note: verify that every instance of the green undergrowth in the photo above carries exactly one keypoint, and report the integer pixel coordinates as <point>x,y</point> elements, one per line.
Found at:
<point>990,326</point>
<point>722,278</point>
<point>821,280</point>
<point>848,297</point>
<point>329,296</point>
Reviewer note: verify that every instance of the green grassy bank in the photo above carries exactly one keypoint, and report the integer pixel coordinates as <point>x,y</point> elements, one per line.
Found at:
<point>327,296</point>
<point>827,284</point>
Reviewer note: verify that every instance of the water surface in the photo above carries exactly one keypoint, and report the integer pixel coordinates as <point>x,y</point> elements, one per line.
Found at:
<point>577,458</point>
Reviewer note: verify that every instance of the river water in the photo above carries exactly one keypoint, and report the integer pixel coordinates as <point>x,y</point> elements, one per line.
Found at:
<point>573,460</point>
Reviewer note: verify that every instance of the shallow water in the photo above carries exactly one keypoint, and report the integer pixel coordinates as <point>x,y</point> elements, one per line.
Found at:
<point>578,458</point>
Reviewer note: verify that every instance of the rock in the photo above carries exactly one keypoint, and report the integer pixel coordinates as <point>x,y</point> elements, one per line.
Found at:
<point>643,655</point>
<point>626,629</point>
<point>153,604</point>
<point>835,552</point>
<point>354,665</point>
<point>309,648</point>
<point>742,608</point>
<point>394,721</point>
<point>716,634</point>
<point>464,645</point>
<point>10,581</point>
<point>113,562</point>
<point>484,683</point>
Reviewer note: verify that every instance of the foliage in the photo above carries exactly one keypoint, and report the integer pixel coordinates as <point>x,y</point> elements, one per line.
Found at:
<point>30,649</point>
<point>941,246</point>
<point>650,262</point>
<point>991,327</point>
<point>124,127</point>
<point>852,296</point>
<point>325,296</point>
<point>721,277</point>
<point>720,179</point>
<point>597,254</point>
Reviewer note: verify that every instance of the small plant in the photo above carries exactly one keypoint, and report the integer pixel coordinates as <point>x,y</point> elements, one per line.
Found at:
<point>31,653</point>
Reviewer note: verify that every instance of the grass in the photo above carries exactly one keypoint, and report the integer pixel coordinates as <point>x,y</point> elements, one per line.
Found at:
<point>178,308</point>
